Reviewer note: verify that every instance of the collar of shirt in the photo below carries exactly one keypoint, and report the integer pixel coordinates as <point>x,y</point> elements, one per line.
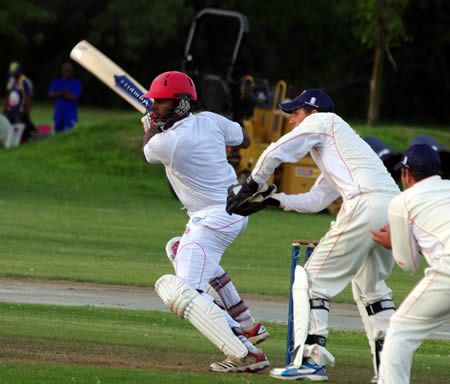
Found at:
<point>179,122</point>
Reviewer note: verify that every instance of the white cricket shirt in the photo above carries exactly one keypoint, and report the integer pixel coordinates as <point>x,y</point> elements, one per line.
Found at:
<point>193,152</point>
<point>419,220</point>
<point>347,163</point>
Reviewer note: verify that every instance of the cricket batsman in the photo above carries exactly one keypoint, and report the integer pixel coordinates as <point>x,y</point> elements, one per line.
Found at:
<point>192,149</point>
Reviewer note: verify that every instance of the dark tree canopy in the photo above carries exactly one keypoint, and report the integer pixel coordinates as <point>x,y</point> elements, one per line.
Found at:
<point>307,44</point>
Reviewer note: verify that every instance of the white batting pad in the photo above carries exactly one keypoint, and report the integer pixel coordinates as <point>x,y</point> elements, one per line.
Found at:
<point>213,293</point>
<point>301,313</point>
<point>367,324</point>
<point>203,314</point>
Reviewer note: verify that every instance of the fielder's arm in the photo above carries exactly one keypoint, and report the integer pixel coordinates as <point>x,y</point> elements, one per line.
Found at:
<point>382,236</point>
<point>290,148</point>
<point>404,245</point>
<point>319,197</point>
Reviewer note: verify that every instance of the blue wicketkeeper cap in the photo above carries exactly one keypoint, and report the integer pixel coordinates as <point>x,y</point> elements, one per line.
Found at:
<point>421,158</point>
<point>315,98</point>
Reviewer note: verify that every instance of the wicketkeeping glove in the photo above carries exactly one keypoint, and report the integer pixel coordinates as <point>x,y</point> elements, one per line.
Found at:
<point>239,194</point>
<point>258,202</point>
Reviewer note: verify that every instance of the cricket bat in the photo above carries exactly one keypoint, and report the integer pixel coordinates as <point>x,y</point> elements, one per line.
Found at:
<point>111,74</point>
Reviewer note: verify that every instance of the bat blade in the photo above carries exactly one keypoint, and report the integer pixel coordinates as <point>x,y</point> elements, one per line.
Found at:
<point>111,74</point>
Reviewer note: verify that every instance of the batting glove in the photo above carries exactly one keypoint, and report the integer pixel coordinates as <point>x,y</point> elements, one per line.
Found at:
<point>146,122</point>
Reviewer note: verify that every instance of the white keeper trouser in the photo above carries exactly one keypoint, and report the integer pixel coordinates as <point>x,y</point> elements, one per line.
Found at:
<point>348,252</point>
<point>423,310</point>
<point>208,233</point>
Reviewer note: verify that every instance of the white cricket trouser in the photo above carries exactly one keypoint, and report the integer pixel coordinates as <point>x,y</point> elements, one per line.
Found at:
<point>423,310</point>
<point>348,252</point>
<point>208,233</point>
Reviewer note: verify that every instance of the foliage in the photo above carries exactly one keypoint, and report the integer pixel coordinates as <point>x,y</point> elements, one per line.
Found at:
<point>308,44</point>
<point>15,17</point>
<point>388,13</point>
<point>378,24</point>
<point>130,27</point>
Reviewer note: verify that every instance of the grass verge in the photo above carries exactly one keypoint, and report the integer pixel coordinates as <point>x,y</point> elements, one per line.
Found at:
<point>83,205</point>
<point>91,345</point>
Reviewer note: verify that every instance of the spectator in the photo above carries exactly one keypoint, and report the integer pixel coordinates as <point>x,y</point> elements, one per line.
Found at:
<point>65,91</point>
<point>19,94</point>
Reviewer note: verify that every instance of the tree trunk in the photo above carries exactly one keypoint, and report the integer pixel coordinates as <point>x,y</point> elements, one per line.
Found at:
<point>376,81</point>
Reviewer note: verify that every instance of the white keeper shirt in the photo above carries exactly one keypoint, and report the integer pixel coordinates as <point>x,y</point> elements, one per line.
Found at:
<point>419,220</point>
<point>193,152</point>
<point>348,165</point>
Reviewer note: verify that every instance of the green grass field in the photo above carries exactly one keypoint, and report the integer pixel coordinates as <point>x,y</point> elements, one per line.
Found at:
<point>92,345</point>
<point>84,206</point>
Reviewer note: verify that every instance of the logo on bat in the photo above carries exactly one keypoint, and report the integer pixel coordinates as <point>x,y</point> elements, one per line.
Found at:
<point>128,87</point>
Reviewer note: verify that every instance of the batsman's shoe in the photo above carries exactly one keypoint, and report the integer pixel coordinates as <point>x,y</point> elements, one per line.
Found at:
<point>172,248</point>
<point>311,372</point>
<point>257,334</point>
<point>253,362</point>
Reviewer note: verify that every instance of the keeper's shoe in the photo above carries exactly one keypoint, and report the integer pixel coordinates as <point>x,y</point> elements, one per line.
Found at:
<point>311,372</point>
<point>172,248</point>
<point>257,334</point>
<point>253,362</point>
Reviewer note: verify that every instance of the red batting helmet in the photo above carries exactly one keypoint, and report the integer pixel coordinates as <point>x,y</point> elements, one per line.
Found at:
<point>169,85</point>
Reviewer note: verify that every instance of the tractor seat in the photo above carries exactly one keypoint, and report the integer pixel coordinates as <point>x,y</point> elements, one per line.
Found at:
<point>215,94</point>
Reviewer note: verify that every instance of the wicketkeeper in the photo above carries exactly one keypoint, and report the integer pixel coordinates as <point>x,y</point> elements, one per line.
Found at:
<point>349,169</point>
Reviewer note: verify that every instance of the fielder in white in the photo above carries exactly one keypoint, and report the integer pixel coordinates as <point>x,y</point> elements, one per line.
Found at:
<point>419,224</point>
<point>193,150</point>
<point>352,170</point>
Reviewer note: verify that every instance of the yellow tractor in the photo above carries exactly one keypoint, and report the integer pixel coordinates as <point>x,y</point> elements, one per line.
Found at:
<point>265,126</point>
<point>250,101</point>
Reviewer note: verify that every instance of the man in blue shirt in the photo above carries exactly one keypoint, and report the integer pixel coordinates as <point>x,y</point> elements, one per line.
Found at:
<point>66,92</point>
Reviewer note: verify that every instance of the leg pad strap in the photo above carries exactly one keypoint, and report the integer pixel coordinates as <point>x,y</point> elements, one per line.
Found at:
<point>316,339</point>
<point>320,304</point>
<point>379,306</point>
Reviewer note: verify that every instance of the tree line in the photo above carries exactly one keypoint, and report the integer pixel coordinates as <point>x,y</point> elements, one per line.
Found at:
<point>379,59</point>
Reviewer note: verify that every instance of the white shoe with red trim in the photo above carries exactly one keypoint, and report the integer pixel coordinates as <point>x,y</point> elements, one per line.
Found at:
<point>253,362</point>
